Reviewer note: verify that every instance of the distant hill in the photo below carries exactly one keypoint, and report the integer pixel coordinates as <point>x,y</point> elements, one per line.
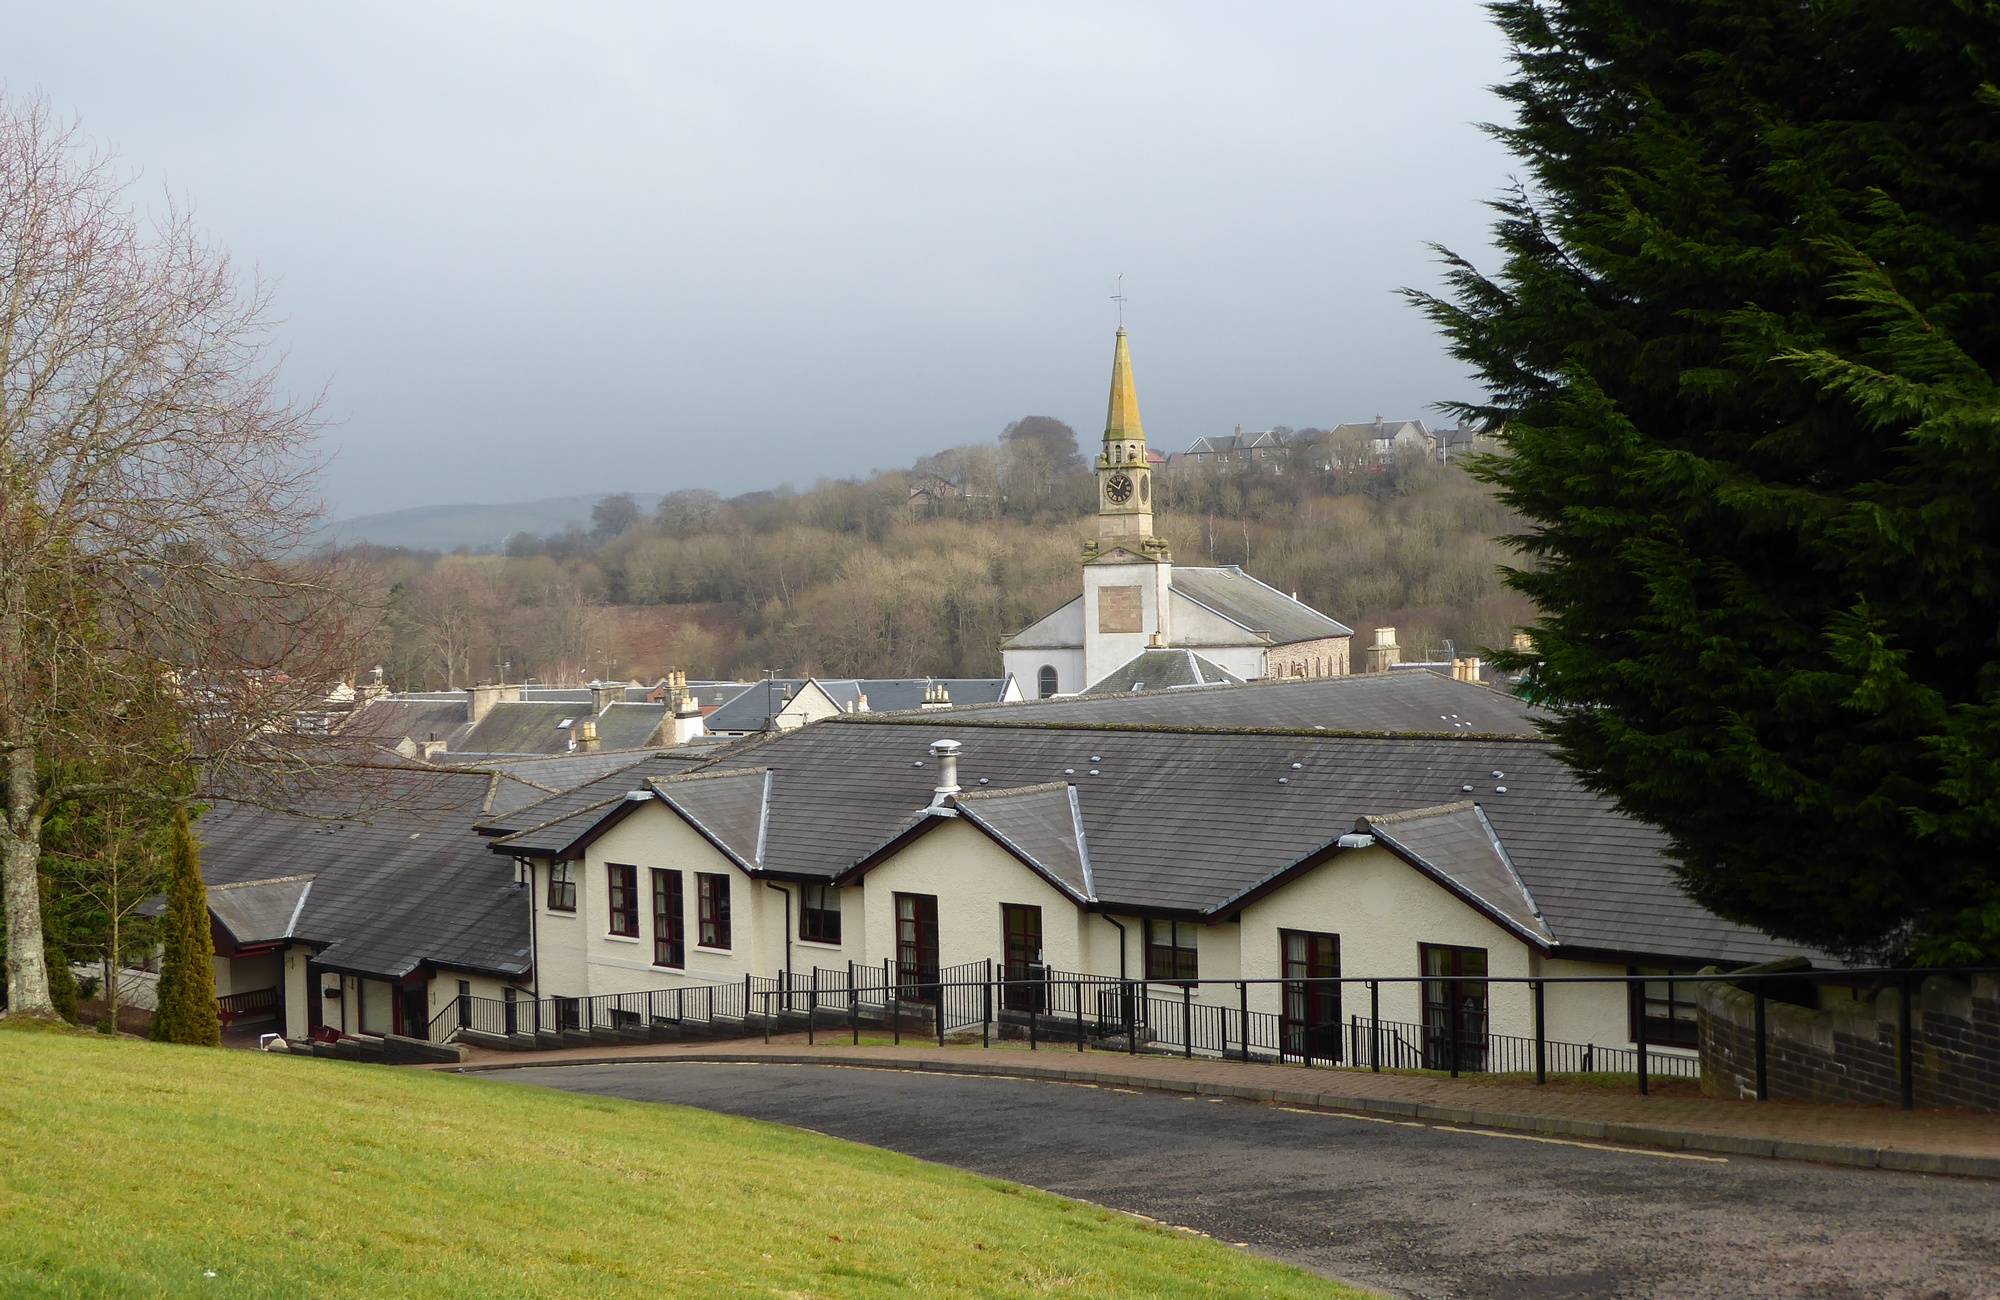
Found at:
<point>473,527</point>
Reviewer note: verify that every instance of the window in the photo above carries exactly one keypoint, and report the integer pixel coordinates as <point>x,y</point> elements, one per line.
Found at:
<point>562,887</point>
<point>669,920</point>
<point>819,913</point>
<point>1311,1010</point>
<point>1669,1010</point>
<point>712,896</point>
<point>1170,950</point>
<point>1454,1012</point>
<point>1046,680</point>
<point>624,895</point>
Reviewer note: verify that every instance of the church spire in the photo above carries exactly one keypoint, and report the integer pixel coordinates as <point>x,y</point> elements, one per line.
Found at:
<point>1121,421</point>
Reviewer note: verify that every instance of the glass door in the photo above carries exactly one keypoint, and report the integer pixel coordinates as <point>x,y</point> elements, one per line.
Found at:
<point>917,947</point>
<point>1312,1011</point>
<point>1454,1012</point>
<point>1021,928</point>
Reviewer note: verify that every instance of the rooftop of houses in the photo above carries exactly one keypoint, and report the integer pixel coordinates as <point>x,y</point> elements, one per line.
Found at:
<point>1184,822</point>
<point>381,875</point>
<point>1411,703</point>
<point>1159,670</point>
<point>752,710</point>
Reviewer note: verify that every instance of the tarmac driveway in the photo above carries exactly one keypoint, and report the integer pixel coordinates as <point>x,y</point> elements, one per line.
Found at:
<point>1418,1210</point>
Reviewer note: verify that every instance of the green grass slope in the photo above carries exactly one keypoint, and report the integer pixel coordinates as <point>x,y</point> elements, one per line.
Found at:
<point>132,1169</point>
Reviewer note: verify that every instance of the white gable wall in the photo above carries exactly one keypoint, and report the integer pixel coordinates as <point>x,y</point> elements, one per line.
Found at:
<point>971,877</point>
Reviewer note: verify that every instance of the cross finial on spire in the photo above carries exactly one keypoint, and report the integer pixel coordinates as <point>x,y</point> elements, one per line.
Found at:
<point>1119,298</point>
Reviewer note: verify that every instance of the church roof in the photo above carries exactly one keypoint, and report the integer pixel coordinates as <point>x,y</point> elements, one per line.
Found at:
<point>1159,670</point>
<point>1255,606</point>
<point>1121,421</point>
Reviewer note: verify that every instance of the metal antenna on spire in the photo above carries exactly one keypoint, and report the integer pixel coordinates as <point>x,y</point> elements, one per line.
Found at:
<point>1119,298</point>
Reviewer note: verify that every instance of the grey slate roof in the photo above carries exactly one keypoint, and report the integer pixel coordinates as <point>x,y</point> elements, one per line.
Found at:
<point>632,773</point>
<point>524,727</point>
<point>1159,670</point>
<point>1044,824</point>
<point>259,911</point>
<point>391,720</point>
<point>1411,703</point>
<point>555,773</point>
<point>628,726</point>
<point>727,806</point>
<point>1192,822</point>
<point>398,878</point>
<point>892,694</point>
<point>1258,606</point>
<point>1455,843</point>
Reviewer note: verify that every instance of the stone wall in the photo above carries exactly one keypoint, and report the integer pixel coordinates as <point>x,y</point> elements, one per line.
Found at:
<point>1326,657</point>
<point>1845,1049</point>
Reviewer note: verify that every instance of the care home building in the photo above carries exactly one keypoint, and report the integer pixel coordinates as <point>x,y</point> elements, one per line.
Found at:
<point>1093,847</point>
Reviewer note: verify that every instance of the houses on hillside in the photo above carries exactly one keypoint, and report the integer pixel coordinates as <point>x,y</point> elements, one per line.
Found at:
<point>1390,826</point>
<point>1374,442</point>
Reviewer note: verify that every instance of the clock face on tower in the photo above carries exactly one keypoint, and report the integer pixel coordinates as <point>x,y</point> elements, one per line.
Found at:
<point>1118,490</point>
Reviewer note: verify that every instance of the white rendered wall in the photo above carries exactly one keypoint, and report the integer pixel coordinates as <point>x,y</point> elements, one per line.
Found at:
<point>971,877</point>
<point>1104,652</point>
<point>1382,908</point>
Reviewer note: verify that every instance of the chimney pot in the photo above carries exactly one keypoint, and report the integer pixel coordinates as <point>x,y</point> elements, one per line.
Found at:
<point>946,753</point>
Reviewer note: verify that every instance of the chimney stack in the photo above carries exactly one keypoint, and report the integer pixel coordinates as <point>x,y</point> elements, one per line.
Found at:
<point>1472,669</point>
<point>1385,652</point>
<point>1523,644</point>
<point>605,694</point>
<point>586,736</point>
<point>481,699</point>
<point>946,753</point>
<point>936,696</point>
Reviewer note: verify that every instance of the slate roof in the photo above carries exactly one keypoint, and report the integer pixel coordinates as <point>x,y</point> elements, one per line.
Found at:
<point>398,879</point>
<point>1043,824</point>
<point>524,727</point>
<point>892,694</point>
<point>728,807</point>
<point>391,720</point>
<point>1194,822</point>
<point>555,773</point>
<point>1410,703</point>
<point>628,726</point>
<point>1159,670</point>
<point>259,911</point>
<point>1455,844</point>
<point>632,774</point>
<point>1258,606</point>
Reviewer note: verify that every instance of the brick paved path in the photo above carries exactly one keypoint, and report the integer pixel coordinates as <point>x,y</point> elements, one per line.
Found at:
<point>1923,1141</point>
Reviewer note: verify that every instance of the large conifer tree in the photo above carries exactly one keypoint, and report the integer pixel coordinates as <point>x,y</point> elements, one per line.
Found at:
<point>1744,342</point>
<point>187,1012</point>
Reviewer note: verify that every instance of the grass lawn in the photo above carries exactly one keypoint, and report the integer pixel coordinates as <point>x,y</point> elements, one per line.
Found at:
<point>133,1169</point>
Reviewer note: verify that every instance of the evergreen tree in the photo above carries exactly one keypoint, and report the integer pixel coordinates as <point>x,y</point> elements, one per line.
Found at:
<point>187,972</point>
<point>1744,345</point>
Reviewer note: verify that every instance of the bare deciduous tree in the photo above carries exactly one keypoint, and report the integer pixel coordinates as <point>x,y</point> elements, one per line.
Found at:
<point>154,490</point>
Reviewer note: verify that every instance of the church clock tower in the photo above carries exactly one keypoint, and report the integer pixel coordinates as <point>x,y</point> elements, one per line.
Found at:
<point>1127,573</point>
<point>1124,477</point>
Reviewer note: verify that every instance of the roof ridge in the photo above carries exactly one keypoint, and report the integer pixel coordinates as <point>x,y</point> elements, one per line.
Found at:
<point>1412,814</point>
<point>959,718</point>
<point>1041,788</point>
<point>268,880</point>
<point>704,774</point>
<point>541,826</point>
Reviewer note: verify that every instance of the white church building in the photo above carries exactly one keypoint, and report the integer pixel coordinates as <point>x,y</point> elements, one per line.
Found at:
<point>1134,598</point>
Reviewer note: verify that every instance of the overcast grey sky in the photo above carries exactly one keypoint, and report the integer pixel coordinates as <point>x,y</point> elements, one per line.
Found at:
<point>535,250</point>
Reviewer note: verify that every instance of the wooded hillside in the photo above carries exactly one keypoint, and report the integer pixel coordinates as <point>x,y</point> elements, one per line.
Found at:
<point>925,570</point>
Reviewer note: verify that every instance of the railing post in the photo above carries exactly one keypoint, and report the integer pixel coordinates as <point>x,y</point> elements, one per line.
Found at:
<point>937,1008</point>
<point>746,998</point>
<point>1541,1039</point>
<point>986,1004</point>
<point>889,992</point>
<point>812,1010</point>
<point>1034,1023</point>
<point>853,1004</point>
<point>1079,1015</point>
<point>768,1017</point>
<point>1451,1024</point>
<point>1763,1073</point>
<point>1906,1065</point>
<point>1187,1020</point>
<point>1131,1017</point>
<point>1375,1026</point>
<point>1639,1039</point>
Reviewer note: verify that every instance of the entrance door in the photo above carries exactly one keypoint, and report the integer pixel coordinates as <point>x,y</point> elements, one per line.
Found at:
<point>917,947</point>
<point>414,1010</point>
<point>1454,1012</point>
<point>1312,1011</point>
<point>1021,931</point>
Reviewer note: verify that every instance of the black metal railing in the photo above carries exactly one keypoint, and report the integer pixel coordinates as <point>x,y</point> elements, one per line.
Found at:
<point>1207,1017</point>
